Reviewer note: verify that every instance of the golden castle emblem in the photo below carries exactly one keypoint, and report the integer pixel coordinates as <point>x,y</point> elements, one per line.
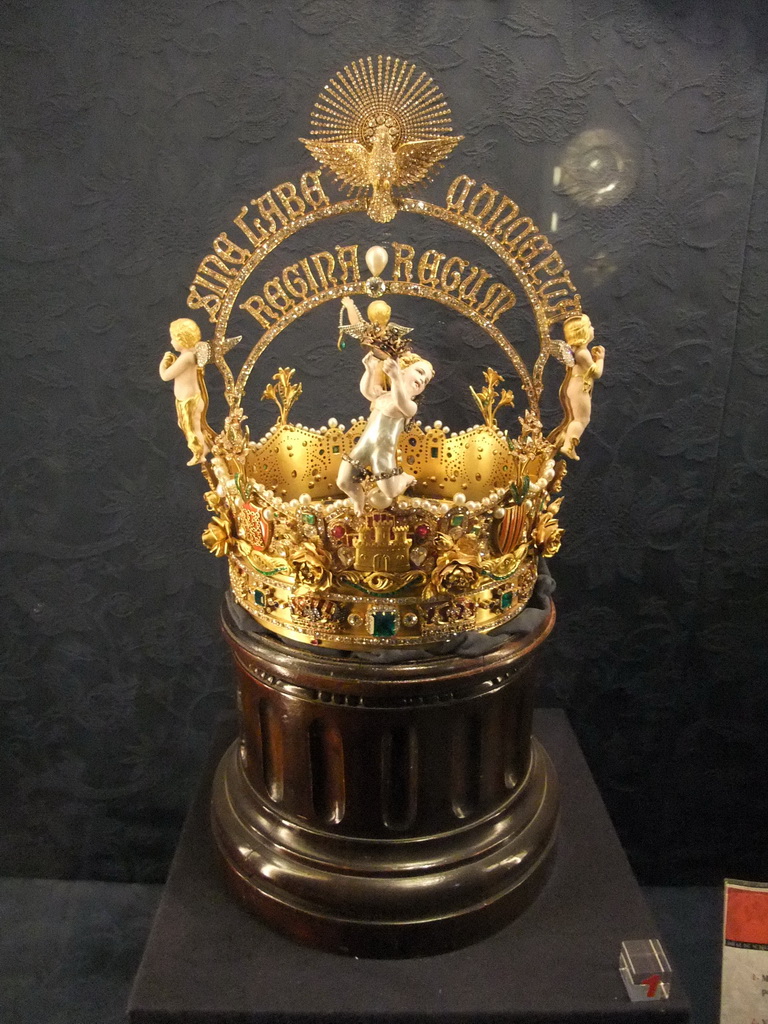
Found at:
<point>387,532</point>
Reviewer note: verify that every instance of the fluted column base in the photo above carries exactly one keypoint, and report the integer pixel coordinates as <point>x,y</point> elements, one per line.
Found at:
<point>398,810</point>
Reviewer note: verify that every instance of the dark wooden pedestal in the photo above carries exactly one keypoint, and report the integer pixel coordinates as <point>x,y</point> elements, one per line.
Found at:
<point>385,810</point>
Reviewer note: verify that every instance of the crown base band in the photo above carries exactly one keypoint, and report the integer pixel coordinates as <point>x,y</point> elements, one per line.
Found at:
<point>350,621</point>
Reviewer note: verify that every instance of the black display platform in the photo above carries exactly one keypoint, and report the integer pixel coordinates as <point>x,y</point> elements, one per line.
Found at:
<point>208,961</point>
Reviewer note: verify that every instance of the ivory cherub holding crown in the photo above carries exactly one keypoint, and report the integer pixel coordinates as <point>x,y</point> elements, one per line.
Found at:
<point>576,390</point>
<point>186,372</point>
<point>391,385</point>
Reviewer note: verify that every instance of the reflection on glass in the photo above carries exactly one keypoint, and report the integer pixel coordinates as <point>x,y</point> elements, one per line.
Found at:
<point>596,168</point>
<point>598,269</point>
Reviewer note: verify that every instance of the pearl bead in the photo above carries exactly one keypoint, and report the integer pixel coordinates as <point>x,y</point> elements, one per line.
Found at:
<point>376,259</point>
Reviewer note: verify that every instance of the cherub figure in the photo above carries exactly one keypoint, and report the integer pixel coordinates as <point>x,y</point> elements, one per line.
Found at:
<point>391,386</point>
<point>585,367</point>
<point>186,372</point>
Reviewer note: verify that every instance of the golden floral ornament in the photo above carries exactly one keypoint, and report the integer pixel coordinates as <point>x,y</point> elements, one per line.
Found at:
<point>530,430</point>
<point>235,436</point>
<point>457,568</point>
<point>213,501</point>
<point>547,533</point>
<point>283,392</point>
<point>487,399</point>
<point>219,536</point>
<point>311,567</point>
<point>560,472</point>
<point>507,565</point>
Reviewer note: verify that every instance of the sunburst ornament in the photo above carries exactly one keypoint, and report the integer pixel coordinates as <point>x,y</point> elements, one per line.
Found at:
<point>381,125</point>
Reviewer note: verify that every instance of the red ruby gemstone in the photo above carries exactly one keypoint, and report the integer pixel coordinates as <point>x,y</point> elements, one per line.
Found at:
<point>421,531</point>
<point>337,532</point>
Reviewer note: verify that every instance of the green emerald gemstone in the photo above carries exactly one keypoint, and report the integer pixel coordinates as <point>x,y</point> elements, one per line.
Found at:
<point>457,520</point>
<point>384,623</point>
<point>258,596</point>
<point>308,517</point>
<point>506,600</point>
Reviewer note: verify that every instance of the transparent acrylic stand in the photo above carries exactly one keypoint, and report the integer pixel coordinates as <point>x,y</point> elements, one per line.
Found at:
<point>645,970</point>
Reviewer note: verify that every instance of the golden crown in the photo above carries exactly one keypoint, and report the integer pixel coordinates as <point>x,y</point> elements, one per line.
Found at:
<point>386,533</point>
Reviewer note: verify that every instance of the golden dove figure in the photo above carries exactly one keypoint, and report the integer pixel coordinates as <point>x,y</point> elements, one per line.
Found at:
<point>383,166</point>
<point>381,126</point>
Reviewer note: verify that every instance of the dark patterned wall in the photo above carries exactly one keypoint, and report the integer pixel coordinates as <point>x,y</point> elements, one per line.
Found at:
<point>131,135</point>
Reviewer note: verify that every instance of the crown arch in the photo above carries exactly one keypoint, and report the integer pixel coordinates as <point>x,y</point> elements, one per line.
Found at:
<point>480,210</point>
<point>395,288</point>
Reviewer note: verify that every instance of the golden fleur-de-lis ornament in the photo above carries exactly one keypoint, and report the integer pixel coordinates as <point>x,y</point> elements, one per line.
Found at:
<point>381,126</point>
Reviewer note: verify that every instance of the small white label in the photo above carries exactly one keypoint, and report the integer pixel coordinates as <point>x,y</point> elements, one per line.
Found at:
<point>744,989</point>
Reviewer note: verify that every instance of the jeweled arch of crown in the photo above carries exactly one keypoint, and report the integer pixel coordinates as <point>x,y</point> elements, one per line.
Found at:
<point>385,533</point>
